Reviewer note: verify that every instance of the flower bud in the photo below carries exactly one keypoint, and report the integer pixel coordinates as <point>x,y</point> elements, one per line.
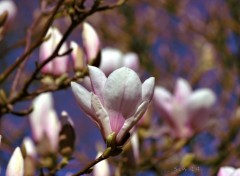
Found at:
<point>91,42</point>
<point>58,65</point>
<point>78,58</point>
<point>16,164</point>
<point>67,136</point>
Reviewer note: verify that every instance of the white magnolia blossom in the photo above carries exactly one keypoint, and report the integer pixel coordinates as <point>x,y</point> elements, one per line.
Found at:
<point>117,102</point>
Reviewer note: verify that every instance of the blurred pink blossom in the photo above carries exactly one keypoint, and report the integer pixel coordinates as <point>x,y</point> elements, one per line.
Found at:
<point>117,103</point>
<point>185,111</point>
<point>58,65</point>
<point>44,121</point>
<point>228,171</point>
<point>15,165</point>
<point>91,42</point>
<point>113,59</point>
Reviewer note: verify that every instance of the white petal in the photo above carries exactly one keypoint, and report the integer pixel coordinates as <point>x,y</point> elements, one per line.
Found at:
<point>182,90</point>
<point>111,60</point>
<point>101,168</point>
<point>226,171</point>
<point>131,60</point>
<point>83,98</point>
<point>52,128</point>
<point>98,80</point>
<point>123,92</point>
<point>236,173</point>
<point>16,164</point>
<point>148,89</point>
<point>101,115</point>
<point>130,122</point>
<point>201,99</point>
<point>29,147</point>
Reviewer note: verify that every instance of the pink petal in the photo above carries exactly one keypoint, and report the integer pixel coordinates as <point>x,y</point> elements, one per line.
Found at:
<point>101,116</point>
<point>111,60</point>
<point>182,90</point>
<point>226,171</point>
<point>163,102</point>
<point>116,120</point>
<point>98,80</point>
<point>148,89</point>
<point>15,165</point>
<point>131,60</point>
<point>91,42</point>
<point>122,92</point>
<point>130,122</point>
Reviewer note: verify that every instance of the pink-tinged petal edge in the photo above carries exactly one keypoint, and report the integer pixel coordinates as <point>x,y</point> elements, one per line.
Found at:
<point>163,101</point>
<point>182,90</point>
<point>148,89</point>
<point>101,115</point>
<point>83,98</point>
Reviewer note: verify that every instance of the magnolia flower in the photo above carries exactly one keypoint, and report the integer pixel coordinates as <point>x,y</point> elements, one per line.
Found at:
<point>58,65</point>
<point>15,166</point>
<point>113,59</point>
<point>91,42</point>
<point>117,103</point>
<point>228,171</point>
<point>9,7</point>
<point>44,121</point>
<point>185,111</point>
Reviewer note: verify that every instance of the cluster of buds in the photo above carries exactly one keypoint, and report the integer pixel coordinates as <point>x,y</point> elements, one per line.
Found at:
<point>59,66</point>
<point>49,137</point>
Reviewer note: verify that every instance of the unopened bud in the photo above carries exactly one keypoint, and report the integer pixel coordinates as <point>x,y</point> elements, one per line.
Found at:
<point>67,136</point>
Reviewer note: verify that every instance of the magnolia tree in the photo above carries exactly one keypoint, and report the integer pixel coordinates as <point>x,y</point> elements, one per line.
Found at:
<point>151,89</point>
